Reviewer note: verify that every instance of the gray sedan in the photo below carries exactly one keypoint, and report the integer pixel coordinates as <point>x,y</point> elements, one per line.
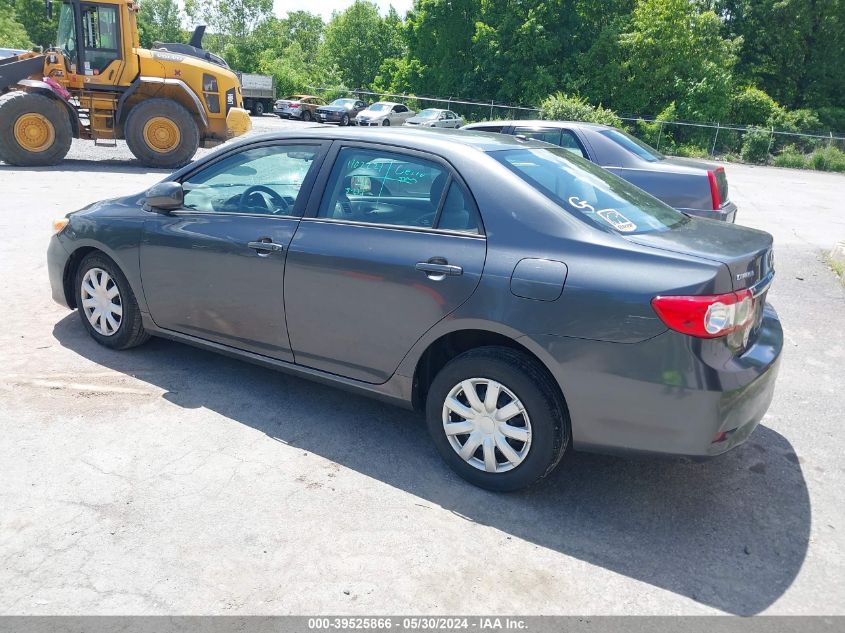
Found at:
<point>525,299</point>
<point>692,186</point>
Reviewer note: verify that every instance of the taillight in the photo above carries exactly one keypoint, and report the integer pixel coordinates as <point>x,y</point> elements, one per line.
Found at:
<point>706,316</point>
<point>715,194</point>
<point>293,106</point>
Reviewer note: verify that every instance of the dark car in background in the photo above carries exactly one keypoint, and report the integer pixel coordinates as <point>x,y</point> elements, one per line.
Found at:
<point>524,298</point>
<point>691,186</point>
<point>340,111</point>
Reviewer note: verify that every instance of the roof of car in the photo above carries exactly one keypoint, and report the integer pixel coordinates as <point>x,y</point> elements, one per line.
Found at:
<point>411,137</point>
<point>386,103</point>
<point>543,123</point>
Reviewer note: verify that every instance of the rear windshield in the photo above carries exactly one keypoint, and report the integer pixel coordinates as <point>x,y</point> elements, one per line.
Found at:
<point>589,192</point>
<point>633,145</point>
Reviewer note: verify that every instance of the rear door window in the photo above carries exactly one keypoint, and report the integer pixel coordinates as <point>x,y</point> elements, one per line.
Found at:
<point>547,135</point>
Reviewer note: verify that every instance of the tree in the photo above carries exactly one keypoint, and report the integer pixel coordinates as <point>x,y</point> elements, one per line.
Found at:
<point>356,41</point>
<point>159,21</point>
<point>12,33</point>
<point>40,29</point>
<point>675,52</point>
<point>792,49</point>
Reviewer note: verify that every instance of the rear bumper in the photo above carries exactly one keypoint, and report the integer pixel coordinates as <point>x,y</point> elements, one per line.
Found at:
<point>672,394</point>
<point>726,214</point>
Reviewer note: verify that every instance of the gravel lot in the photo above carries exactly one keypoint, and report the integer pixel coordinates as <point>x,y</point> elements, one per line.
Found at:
<point>170,480</point>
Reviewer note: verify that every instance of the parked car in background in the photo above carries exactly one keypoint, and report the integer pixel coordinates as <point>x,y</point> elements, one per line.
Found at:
<point>524,298</point>
<point>340,111</point>
<point>384,113</point>
<point>258,92</point>
<point>691,186</point>
<point>302,107</point>
<point>10,52</point>
<point>436,117</point>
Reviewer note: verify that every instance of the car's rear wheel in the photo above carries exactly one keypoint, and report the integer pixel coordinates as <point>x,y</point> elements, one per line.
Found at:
<point>496,418</point>
<point>306,116</point>
<point>258,109</point>
<point>107,305</point>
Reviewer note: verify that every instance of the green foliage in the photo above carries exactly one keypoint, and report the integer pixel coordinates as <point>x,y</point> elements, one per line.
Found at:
<point>755,145</point>
<point>833,119</point>
<point>159,21</point>
<point>40,29</point>
<point>791,157</point>
<point>828,159</point>
<point>357,40</point>
<point>12,33</point>
<point>561,107</point>
<point>752,106</point>
<point>674,51</point>
<point>691,151</point>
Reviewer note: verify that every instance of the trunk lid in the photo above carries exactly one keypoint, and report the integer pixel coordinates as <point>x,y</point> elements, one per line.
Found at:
<point>746,252</point>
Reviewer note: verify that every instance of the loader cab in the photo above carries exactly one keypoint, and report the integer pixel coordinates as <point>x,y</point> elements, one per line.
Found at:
<point>96,39</point>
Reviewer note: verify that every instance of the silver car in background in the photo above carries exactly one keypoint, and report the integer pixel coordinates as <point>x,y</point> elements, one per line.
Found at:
<point>691,186</point>
<point>384,113</point>
<point>436,117</point>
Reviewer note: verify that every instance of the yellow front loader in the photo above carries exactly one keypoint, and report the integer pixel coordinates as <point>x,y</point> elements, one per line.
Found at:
<point>97,83</point>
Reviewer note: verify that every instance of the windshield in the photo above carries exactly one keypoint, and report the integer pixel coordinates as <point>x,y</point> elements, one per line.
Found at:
<point>589,192</point>
<point>65,38</point>
<point>343,102</point>
<point>633,145</point>
<point>378,107</point>
<point>430,113</point>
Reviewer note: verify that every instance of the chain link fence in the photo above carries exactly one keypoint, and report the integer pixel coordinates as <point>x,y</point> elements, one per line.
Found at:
<point>670,137</point>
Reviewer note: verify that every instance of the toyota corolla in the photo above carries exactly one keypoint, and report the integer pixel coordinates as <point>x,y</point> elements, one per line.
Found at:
<point>527,300</point>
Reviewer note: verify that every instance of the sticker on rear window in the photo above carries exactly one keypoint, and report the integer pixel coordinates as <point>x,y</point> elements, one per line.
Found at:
<point>611,216</point>
<point>617,220</point>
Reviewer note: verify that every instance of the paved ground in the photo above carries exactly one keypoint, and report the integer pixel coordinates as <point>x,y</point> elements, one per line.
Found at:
<point>171,480</point>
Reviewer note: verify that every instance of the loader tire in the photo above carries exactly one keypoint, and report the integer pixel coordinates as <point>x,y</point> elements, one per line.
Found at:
<point>35,130</point>
<point>161,133</point>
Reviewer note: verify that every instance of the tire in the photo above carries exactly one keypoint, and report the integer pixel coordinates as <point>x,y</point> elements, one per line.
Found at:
<point>545,418</point>
<point>344,120</point>
<point>39,120</point>
<point>386,123</point>
<point>130,331</point>
<point>306,116</point>
<point>258,109</point>
<point>174,150</point>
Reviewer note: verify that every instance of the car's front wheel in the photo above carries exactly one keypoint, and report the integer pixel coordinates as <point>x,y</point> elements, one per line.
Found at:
<point>496,418</point>
<point>107,305</point>
<point>344,120</point>
<point>386,123</point>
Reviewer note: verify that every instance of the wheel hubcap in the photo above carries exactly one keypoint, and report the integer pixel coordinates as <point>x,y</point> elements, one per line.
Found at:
<point>101,302</point>
<point>34,132</point>
<point>487,425</point>
<point>161,134</point>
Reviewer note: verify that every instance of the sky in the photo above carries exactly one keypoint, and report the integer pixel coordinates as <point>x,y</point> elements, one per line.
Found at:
<point>325,7</point>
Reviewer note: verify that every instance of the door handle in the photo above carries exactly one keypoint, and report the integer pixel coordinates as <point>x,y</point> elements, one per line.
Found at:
<point>437,268</point>
<point>266,245</point>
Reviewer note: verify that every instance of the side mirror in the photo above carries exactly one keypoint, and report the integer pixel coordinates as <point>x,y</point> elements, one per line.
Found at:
<point>165,196</point>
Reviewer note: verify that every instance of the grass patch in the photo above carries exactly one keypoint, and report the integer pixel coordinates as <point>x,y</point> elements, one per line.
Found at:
<point>828,159</point>
<point>837,266</point>
<point>791,159</point>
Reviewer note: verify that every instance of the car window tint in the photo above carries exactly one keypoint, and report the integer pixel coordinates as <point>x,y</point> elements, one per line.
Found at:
<point>633,145</point>
<point>275,172</point>
<point>570,143</point>
<point>548,135</point>
<point>487,128</point>
<point>589,192</point>
<point>458,212</point>
<point>383,188</point>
